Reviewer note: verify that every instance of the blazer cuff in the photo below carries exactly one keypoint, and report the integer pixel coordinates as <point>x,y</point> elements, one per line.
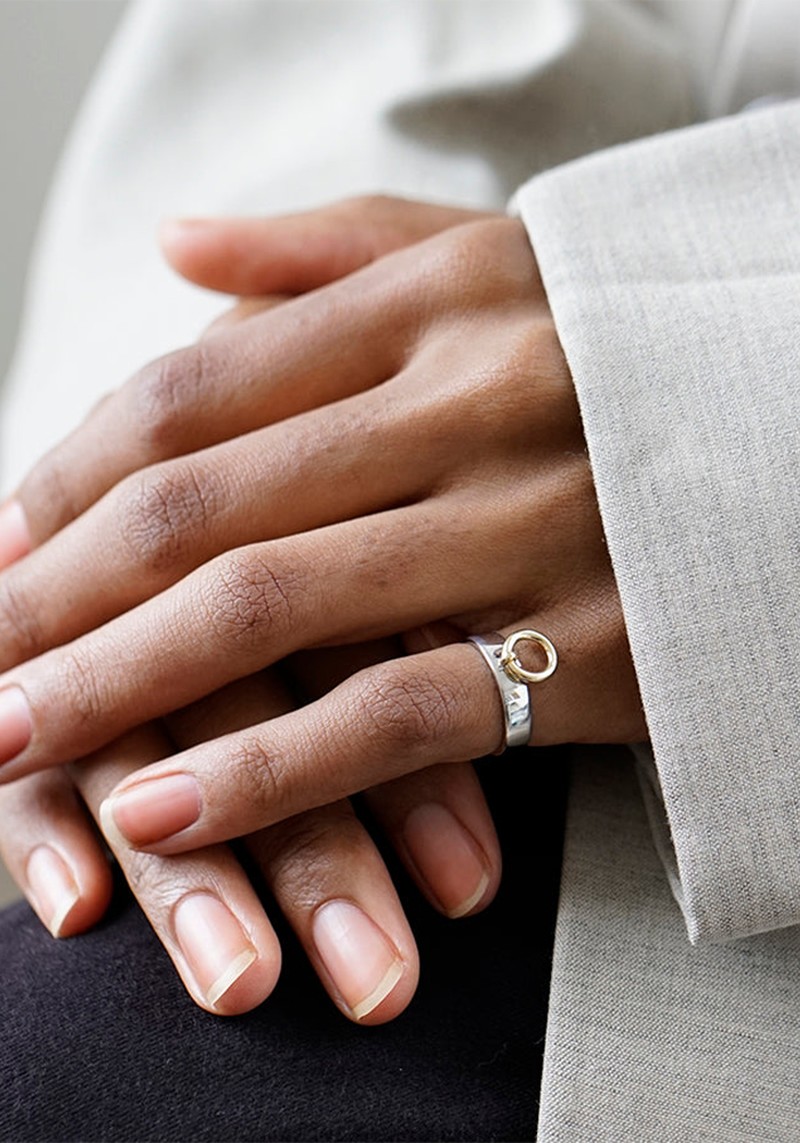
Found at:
<point>672,266</point>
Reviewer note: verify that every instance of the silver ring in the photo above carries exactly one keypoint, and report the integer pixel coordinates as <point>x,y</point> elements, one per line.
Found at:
<point>512,679</point>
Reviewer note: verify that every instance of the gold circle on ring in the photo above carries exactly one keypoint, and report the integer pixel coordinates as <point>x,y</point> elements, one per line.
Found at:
<point>509,660</point>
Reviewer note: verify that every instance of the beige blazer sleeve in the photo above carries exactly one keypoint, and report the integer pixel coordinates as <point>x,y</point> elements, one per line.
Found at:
<point>673,269</point>
<point>672,350</point>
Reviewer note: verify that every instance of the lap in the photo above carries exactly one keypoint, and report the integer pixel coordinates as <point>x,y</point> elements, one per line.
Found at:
<point>101,1043</point>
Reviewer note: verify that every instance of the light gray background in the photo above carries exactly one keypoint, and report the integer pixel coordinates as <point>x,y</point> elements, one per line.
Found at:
<point>48,51</point>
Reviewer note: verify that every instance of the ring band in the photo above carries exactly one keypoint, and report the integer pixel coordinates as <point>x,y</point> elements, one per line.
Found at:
<point>512,679</point>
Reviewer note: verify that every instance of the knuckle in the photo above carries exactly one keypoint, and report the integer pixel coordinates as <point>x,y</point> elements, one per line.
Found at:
<point>163,392</point>
<point>405,709</point>
<point>163,511</point>
<point>21,634</point>
<point>79,685</point>
<point>48,491</point>
<point>158,885</point>
<point>486,259</point>
<point>546,358</point>
<point>251,597</point>
<point>152,885</point>
<point>531,351</point>
<point>260,774</point>
<point>305,855</point>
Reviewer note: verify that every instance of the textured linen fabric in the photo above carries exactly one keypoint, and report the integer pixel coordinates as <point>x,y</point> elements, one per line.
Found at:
<point>651,1039</point>
<point>673,269</point>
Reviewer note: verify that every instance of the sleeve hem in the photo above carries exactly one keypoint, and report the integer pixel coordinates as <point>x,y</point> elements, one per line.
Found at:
<point>671,266</point>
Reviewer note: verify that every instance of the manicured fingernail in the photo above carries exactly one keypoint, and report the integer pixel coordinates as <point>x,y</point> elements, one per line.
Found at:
<point>214,944</point>
<point>15,539</point>
<point>16,725</point>
<point>364,965</point>
<point>151,810</point>
<point>447,857</point>
<point>52,887</point>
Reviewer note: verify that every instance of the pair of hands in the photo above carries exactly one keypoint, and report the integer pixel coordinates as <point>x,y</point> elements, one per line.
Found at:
<point>388,458</point>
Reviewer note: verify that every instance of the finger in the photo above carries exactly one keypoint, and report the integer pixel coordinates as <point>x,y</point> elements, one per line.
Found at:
<point>252,607</point>
<point>201,905</point>
<point>228,384</point>
<point>244,309</point>
<point>300,252</point>
<point>327,877</point>
<point>156,526</point>
<point>159,525</point>
<point>53,852</point>
<point>302,355</point>
<point>332,885</point>
<point>386,721</point>
<point>437,820</point>
<point>16,539</point>
<point>440,825</point>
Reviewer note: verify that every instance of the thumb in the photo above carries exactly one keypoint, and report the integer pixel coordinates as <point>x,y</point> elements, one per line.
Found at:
<point>299,252</point>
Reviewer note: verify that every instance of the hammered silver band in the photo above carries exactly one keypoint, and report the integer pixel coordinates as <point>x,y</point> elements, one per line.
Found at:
<point>512,679</point>
<point>514,696</point>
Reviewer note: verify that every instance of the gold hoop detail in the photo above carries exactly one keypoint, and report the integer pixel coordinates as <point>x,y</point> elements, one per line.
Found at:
<point>510,663</point>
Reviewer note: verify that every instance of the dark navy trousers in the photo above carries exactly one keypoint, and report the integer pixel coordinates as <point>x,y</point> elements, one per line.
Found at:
<point>100,1042</point>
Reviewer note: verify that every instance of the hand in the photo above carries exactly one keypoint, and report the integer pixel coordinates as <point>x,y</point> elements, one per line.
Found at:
<point>318,857</point>
<point>161,413</point>
<point>457,488</point>
<point>310,863</point>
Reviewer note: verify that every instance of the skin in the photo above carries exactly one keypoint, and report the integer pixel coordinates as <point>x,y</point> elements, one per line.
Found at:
<point>412,453</point>
<point>316,857</point>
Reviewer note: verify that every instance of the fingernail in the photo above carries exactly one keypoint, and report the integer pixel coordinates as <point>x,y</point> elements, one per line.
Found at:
<point>214,944</point>
<point>16,725</point>
<point>151,810</point>
<point>447,858</point>
<point>364,965</point>
<point>15,539</point>
<point>52,887</point>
